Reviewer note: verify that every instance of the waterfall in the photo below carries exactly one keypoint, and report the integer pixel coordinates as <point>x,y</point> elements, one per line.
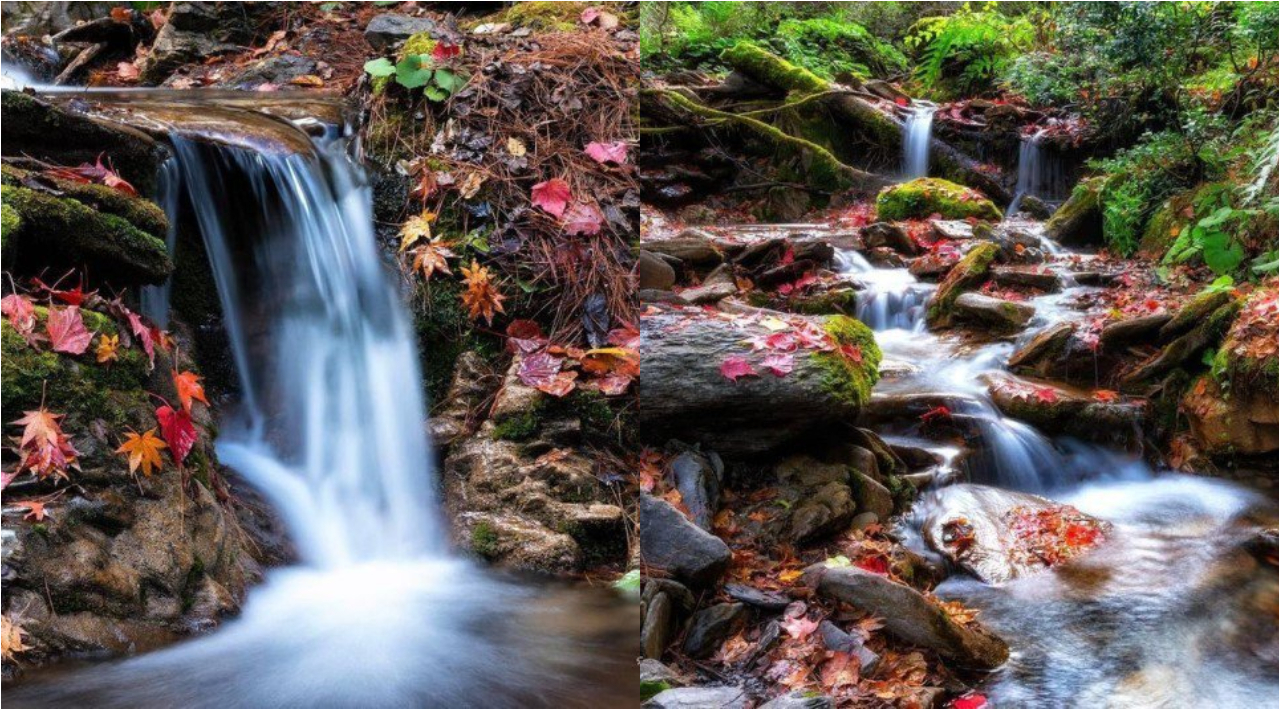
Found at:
<point>1040,172</point>
<point>155,299</point>
<point>917,131</point>
<point>318,335</point>
<point>890,298</point>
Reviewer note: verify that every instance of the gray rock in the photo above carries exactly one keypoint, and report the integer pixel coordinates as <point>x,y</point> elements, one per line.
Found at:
<point>836,639</point>
<point>657,627</point>
<point>954,229</point>
<point>699,486</point>
<point>655,273</point>
<point>1037,277</point>
<point>692,246</point>
<point>885,234</point>
<point>706,697</point>
<point>655,678</point>
<point>824,502</point>
<point>717,285</point>
<point>872,496</point>
<point>1035,207</point>
<point>908,615</point>
<point>390,29</point>
<point>1134,330</point>
<point>1045,344</point>
<point>711,626</point>
<point>671,542</point>
<point>798,700</point>
<point>769,601</point>
<point>997,313</point>
<point>862,521</point>
<point>273,70</point>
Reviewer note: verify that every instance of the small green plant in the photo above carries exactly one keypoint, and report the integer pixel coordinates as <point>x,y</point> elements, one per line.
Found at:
<point>418,71</point>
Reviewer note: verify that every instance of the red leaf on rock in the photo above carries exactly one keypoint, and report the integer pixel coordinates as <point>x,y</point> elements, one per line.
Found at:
<point>784,342</point>
<point>582,219</point>
<point>552,196</point>
<point>20,312</point>
<point>444,51</point>
<point>524,336</point>
<point>852,353</point>
<point>178,431</point>
<point>780,364</point>
<point>615,152</point>
<point>937,413</point>
<point>1048,395</point>
<point>1106,395</point>
<point>734,367</point>
<point>539,369</point>
<point>189,388</point>
<point>614,384</point>
<point>560,385</point>
<point>66,330</point>
<point>142,333</point>
<point>877,564</point>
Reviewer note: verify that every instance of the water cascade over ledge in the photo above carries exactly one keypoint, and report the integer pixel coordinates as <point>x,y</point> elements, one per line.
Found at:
<point>917,133</point>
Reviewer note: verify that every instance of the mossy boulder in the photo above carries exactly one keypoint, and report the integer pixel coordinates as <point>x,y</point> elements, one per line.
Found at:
<point>61,232</point>
<point>966,275</point>
<point>925,197</point>
<point>1247,360</point>
<point>684,391</point>
<point>1079,219</point>
<point>769,69</point>
<point>833,47</point>
<point>1227,423</point>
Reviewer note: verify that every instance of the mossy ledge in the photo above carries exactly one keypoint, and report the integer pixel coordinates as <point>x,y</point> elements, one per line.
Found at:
<point>924,197</point>
<point>847,380</point>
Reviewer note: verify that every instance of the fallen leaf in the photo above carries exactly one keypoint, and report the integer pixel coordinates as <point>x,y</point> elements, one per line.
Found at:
<point>444,51</point>
<point>516,147</point>
<point>431,258</point>
<point>1106,395</point>
<point>799,627</point>
<point>20,312</point>
<point>415,228</point>
<point>143,333</point>
<point>970,701</point>
<point>143,451</point>
<point>188,385</point>
<point>615,152</point>
<point>1047,395</point>
<point>11,639</point>
<point>178,431</point>
<point>780,364</point>
<point>43,447</point>
<point>582,219</point>
<point>735,367</point>
<point>307,80</point>
<point>481,297</point>
<point>34,508</point>
<point>552,196</point>
<point>108,348</point>
<point>66,330</point>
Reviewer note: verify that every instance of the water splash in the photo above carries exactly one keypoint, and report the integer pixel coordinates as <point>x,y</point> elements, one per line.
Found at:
<point>890,298</point>
<point>917,133</point>
<point>1040,173</point>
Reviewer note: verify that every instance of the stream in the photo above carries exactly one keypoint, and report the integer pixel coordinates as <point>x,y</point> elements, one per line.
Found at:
<point>1164,614</point>
<point>329,425</point>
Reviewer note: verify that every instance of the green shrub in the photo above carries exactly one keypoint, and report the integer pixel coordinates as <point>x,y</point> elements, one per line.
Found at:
<point>830,47</point>
<point>966,51</point>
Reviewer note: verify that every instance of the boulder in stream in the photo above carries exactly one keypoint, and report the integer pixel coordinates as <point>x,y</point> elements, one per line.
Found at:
<point>966,275</point>
<point>923,197</point>
<point>997,314</point>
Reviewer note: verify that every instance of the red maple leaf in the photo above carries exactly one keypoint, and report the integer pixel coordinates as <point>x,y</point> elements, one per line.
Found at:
<point>780,364</point>
<point>602,153</point>
<point>189,388</point>
<point>20,312</point>
<point>178,431</point>
<point>582,218</point>
<point>735,367</point>
<point>1048,395</point>
<point>552,196</point>
<point>852,353</point>
<point>938,413</point>
<point>970,701</point>
<point>1106,395</point>
<point>784,342</point>
<point>67,333</point>
<point>143,334</point>
<point>444,51</point>
<point>799,627</point>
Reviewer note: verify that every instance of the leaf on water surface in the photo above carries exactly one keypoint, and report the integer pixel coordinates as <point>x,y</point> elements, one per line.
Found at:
<point>735,367</point>
<point>66,330</point>
<point>552,196</point>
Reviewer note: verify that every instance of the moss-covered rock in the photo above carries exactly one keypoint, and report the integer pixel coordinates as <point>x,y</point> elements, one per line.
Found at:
<point>141,213</point>
<point>61,232</point>
<point>542,15</point>
<point>929,196</point>
<point>771,70</point>
<point>966,275</point>
<point>421,43</point>
<point>1247,360</point>
<point>852,370</point>
<point>1079,219</point>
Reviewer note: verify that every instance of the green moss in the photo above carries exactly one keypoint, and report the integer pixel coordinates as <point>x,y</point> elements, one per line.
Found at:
<point>519,426</point>
<point>830,47</point>
<point>484,540</point>
<point>772,70</point>
<point>542,15</point>
<point>848,381</point>
<point>923,197</point>
<point>10,223</point>
<point>650,688</point>
<point>73,385</point>
<point>421,43</point>
<point>143,214</point>
<point>61,229</point>
<point>444,331</point>
<point>1082,208</point>
<point>966,275</point>
<point>842,301</point>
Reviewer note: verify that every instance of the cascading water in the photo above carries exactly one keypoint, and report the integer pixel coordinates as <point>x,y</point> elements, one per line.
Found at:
<point>330,426</point>
<point>1040,173</point>
<point>917,133</point>
<point>890,298</point>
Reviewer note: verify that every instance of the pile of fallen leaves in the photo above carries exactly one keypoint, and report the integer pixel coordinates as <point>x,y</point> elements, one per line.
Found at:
<point>1048,537</point>
<point>560,369</point>
<point>525,172</point>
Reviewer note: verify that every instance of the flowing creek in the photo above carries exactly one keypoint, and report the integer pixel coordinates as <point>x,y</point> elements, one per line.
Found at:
<point>329,426</point>
<point>1164,613</point>
<point>917,132</point>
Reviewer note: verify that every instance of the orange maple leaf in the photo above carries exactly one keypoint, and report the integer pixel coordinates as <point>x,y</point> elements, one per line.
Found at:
<point>143,451</point>
<point>481,297</point>
<point>189,388</point>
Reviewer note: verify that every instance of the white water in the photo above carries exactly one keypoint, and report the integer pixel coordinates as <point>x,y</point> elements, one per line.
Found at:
<point>331,427</point>
<point>917,132</point>
<point>1040,173</point>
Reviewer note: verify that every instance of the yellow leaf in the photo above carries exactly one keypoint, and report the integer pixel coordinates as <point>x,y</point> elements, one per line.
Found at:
<point>11,639</point>
<point>516,147</point>
<point>108,347</point>
<point>790,576</point>
<point>143,450</point>
<point>470,185</point>
<point>415,228</point>
<point>774,323</point>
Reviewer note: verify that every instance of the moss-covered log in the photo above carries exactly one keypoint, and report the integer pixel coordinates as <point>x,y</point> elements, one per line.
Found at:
<point>683,392</point>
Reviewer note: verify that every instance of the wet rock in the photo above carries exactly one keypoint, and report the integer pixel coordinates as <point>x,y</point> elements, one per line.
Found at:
<point>1079,220</point>
<point>799,700</point>
<point>717,285</point>
<point>1185,347</point>
<point>657,626</point>
<point>931,266</point>
<point>785,204</point>
<point>998,314</point>
<point>693,698</point>
<point>824,500</point>
<point>966,275</point>
<point>885,234</point>
<point>758,598</point>
<point>1058,409</point>
<point>1035,207</point>
<point>1142,329</point>
<point>671,542</point>
<point>694,247</point>
<point>711,626</point>
<point>517,542</point>
<point>885,258</point>
<point>923,197</point>
<point>195,31</point>
<point>388,30</point>
<point>910,616</point>
<point>278,71</point>
<point>872,496</point>
<point>953,229</point>
<point>466,392</point>
<point>684,391</point>
<point>654,272</point>
<point>699,485</point>
<point>1226,423</point>
<point>655,678</point>
<point>1037,277</point>
<point>1193,313</point>
<point>836,639</point>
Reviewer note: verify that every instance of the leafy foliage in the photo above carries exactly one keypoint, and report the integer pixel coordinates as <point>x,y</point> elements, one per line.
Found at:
<point>967,50</point>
